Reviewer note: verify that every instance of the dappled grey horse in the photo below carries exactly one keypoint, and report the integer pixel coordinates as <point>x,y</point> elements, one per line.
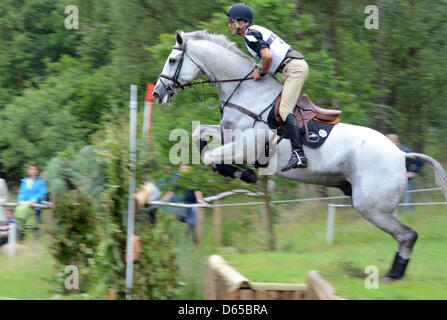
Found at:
<point>360,161</point>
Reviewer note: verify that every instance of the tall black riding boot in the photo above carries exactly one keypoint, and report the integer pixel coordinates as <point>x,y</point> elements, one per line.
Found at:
<point>298,158</point>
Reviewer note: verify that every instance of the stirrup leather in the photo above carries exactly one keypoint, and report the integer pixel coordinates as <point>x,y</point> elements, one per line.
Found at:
<point>299,158</point>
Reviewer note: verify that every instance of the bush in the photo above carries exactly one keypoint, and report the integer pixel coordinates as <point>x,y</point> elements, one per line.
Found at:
<point>75,237</point>
<point>90,217</point>
<point>156,272</point>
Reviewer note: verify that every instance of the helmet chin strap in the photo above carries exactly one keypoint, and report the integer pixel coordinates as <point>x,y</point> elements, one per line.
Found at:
<point>240,28</point>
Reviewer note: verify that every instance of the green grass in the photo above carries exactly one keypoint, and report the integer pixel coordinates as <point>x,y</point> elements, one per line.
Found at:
<point>301,243</point>
<point>300,232</point>
<point>28,274</point>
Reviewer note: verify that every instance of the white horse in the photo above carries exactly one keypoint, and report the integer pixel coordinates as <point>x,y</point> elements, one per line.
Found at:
<point>362,162</point>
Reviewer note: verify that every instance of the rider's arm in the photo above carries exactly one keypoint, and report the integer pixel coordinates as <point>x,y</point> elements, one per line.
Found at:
<point>267,59</point>
<point>255,42</point>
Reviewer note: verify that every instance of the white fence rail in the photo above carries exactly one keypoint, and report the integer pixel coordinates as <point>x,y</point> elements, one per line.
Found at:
<point>330,218</point>
<point>331,206</point>
<point>332,209</point>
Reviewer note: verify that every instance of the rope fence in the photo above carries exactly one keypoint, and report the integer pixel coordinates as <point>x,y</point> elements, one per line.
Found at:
<point>183,205</point>
<point>216,204</point>
<point>45,205</point>
<point>331,207</point>
<point>249,193</point>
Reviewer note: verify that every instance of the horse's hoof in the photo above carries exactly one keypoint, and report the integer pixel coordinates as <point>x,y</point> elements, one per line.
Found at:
<point>249,176</point>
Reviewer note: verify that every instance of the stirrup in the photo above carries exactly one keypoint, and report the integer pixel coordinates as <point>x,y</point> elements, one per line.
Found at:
<point>300,163</point>
<point>298,157</point>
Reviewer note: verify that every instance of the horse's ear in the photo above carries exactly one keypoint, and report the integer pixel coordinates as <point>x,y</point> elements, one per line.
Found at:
<point>179,39</point>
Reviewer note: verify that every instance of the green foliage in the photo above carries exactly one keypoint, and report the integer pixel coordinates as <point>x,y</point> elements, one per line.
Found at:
<point>31,32</point>
<point>80,171</point>
<point>57,115</point>
<point>156,270</point>
<point>63,94</point>
<point>75,237</point>
<point>119,43</point>
<point>107,266</point>
<point>91,189</point>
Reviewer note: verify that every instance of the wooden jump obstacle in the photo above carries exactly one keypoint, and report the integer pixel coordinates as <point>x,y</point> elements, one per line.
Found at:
<point>223,282</point>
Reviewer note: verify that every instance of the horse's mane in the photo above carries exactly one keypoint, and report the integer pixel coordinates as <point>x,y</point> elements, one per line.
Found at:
<point>218,39</point>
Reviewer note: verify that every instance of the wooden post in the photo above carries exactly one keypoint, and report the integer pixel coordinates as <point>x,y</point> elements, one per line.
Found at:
<point>217,223</point>
<point>200,221</point>
<point>319,288</point>
<point>268,214</point>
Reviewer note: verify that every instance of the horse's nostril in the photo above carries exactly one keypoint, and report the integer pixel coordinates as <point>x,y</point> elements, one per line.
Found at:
<point>155,95</point>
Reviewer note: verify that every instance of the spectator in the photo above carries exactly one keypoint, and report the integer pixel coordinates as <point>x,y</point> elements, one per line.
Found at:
<point>5,229</point>
<point>413,167</point>
<point>153,209</point>
<point>33,189</point>
<point>191,195</point>
<point>147,192</point>
<point>168,185</point>
<point>3,198</point>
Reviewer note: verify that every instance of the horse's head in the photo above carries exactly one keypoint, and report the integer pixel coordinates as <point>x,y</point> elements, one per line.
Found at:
<point>179,69</point>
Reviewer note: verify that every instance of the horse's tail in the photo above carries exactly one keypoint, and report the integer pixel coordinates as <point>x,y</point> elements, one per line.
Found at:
<point>440,174</point>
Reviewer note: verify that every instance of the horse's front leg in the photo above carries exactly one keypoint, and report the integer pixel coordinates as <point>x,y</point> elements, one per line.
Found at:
<point>243,147</point>
<point>227,170</point>
<point>201,132</point>
<point>199,136</point>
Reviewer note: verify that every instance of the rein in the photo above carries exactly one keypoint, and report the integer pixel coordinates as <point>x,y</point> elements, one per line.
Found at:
<point>172,88</point>
<point>178,85</point>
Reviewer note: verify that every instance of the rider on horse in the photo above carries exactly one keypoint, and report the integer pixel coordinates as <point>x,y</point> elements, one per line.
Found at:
<point>276,56</point>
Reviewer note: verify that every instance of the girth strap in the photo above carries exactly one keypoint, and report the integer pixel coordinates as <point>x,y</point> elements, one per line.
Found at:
<point>251,114</point>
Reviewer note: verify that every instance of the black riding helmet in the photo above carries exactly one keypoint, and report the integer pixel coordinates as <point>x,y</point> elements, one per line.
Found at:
<point>240,11</point>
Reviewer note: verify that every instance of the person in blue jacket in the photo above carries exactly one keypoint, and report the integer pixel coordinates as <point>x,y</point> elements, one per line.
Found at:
<point>33,188</point>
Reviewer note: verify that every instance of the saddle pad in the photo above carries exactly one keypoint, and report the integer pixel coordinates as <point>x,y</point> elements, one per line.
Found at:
<point>318,131</point>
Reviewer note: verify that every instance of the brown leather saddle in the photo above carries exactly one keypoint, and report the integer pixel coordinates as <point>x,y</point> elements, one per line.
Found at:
<point>306,110</point>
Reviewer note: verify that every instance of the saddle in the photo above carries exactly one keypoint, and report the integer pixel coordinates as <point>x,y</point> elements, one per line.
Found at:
<point>305,111</point>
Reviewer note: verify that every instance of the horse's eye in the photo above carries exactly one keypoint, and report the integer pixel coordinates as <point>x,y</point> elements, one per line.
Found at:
<point>172,60</point>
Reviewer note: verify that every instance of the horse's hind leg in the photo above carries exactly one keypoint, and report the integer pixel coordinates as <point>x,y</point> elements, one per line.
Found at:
<point>383,217</point>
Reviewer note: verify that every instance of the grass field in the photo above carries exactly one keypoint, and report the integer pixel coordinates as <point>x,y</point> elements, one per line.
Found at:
<point>28,274</point>
<point>301,246</point>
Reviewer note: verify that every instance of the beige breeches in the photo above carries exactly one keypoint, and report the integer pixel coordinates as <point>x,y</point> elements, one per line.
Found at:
<point>294,75</point>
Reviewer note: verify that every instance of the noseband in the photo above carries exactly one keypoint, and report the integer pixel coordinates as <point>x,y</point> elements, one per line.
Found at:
<point>175,85</point>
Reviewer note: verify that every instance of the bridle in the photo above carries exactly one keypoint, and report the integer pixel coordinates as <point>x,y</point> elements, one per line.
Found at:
<point>175,85</point>
<point>172,88</point>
